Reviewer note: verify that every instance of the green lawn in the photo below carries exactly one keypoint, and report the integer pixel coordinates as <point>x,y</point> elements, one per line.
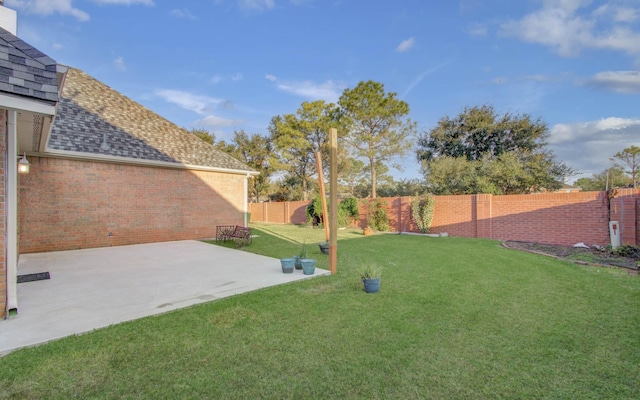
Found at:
<point>455,318</point>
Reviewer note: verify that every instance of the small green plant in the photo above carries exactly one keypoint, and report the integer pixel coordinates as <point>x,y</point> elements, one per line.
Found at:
<point>377,217</point>
<point>303,250</point>
<point>627,250</point>
<point>370,271</point>
<point>422,210</point>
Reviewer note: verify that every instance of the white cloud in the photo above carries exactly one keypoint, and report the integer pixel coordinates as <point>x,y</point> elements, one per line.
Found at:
<point>192,102</point>
<point>405,45</point>
<point>48,7</point>
<point>217,78</point>
<point>478,30</point>
<point>119,63</point>
<point>568,28</point>
<point>270,77</point>
<point>617,81</point>
<point>57,46</point>
<point>127,2</point>
<point>217,122</point>
<point>256,4</point>
<point>183,14</point>
<point>329,91</point>
<point>587,146</point>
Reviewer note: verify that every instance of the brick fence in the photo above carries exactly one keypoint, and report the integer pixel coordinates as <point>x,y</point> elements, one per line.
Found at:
<point>553,218</point>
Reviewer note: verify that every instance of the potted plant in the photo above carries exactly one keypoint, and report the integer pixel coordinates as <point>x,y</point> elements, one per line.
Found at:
<point>324,247</point>
<point>370,274</point>
<point>301,255</point>
<point>308,266</point>
<point>287,265</point>
<point>367,231</point>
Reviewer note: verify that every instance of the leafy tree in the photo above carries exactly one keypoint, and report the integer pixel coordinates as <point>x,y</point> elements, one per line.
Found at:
<point>204,134</point>
<point>609,178</point>
<point>629,158</point>
<point>586,184</point>
<point>451,175</point>
<point>297,137</point>
<point>481,151</point>
<point>257,152</point>
<point>403,187</point>
<point>351,174</point>
<point>378,129</point>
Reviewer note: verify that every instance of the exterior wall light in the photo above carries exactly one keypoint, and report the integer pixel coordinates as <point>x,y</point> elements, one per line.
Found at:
<point>23,165</point>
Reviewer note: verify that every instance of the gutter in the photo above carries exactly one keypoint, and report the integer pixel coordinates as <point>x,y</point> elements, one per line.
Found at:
<point>72,155</point>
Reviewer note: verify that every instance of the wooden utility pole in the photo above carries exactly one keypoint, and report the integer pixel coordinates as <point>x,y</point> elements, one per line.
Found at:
<point>323,196</point>
<point>333,188</point>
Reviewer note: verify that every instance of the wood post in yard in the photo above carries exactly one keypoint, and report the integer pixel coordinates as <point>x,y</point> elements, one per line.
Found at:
<point>333,188</point>
<point>323,197</point>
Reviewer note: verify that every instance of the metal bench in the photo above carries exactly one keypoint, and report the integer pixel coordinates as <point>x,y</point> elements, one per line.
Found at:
<point>239,234</point>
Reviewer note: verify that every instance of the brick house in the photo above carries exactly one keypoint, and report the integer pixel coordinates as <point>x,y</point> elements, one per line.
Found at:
<point>104,170</point>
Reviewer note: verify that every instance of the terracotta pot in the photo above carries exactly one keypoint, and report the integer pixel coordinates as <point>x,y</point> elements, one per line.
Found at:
<point>367,231</point>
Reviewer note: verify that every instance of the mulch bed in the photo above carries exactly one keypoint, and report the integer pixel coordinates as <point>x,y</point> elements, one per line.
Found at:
<point>583,256</point>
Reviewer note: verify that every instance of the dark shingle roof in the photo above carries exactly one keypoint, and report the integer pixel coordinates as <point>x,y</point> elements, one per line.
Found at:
<point>25,70</point>
<point>93,118</point>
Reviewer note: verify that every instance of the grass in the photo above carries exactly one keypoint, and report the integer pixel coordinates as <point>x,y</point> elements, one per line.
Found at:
<point>455,318</point>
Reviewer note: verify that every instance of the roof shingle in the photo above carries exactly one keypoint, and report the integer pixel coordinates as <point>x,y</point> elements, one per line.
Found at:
<point>93,118</point>
<point>26,70</point>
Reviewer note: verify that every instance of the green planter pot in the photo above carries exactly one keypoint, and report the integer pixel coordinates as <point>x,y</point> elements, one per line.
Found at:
<point>298,263</point>
<point>371,285</point>
<point>308,266</point>
<point>287,265</point>
<point>324,247</point>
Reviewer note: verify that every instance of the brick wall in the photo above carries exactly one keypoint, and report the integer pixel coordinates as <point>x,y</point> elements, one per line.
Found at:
<point>554,218</point>
<point>73,204</point>
<point>3,215</point>
<point>625,208</point>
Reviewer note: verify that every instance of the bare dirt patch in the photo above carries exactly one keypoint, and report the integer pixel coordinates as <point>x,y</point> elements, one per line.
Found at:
<point>591,256</point>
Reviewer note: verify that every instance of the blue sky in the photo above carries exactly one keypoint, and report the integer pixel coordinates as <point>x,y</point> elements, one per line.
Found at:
<point>234,64</point>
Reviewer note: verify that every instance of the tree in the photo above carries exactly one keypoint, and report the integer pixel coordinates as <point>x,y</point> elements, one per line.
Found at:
<point>612,177</point>
<point>629,158</point>
<point>451,175</point>
<point>204,134</point>
<point>351,173</point>
<point>479,132</point>
<point>378,129</point>
<point>502,154</point>
<point>297,137</point>
<point>257,152</point>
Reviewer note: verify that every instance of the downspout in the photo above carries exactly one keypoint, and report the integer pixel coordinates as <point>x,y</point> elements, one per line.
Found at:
<point>12,213</point>
<point>246,200</point>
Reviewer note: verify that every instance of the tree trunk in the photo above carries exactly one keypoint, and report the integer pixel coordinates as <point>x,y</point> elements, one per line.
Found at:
<point>373,179</point>
<point>304,189</point>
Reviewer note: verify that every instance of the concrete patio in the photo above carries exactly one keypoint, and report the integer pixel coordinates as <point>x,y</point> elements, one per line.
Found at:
<point>95,288</point>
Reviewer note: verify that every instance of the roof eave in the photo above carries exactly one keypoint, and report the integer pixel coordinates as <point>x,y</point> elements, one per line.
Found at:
<point>21,103</point>
<point>135,161</point>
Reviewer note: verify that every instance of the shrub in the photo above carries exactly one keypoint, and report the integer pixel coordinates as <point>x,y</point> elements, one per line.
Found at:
<point>351,207</point>
<point>347,210</point>
<point>377,216</point>
<point>314,211</point>
<point>627,250</point>
<point>422,210</point>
